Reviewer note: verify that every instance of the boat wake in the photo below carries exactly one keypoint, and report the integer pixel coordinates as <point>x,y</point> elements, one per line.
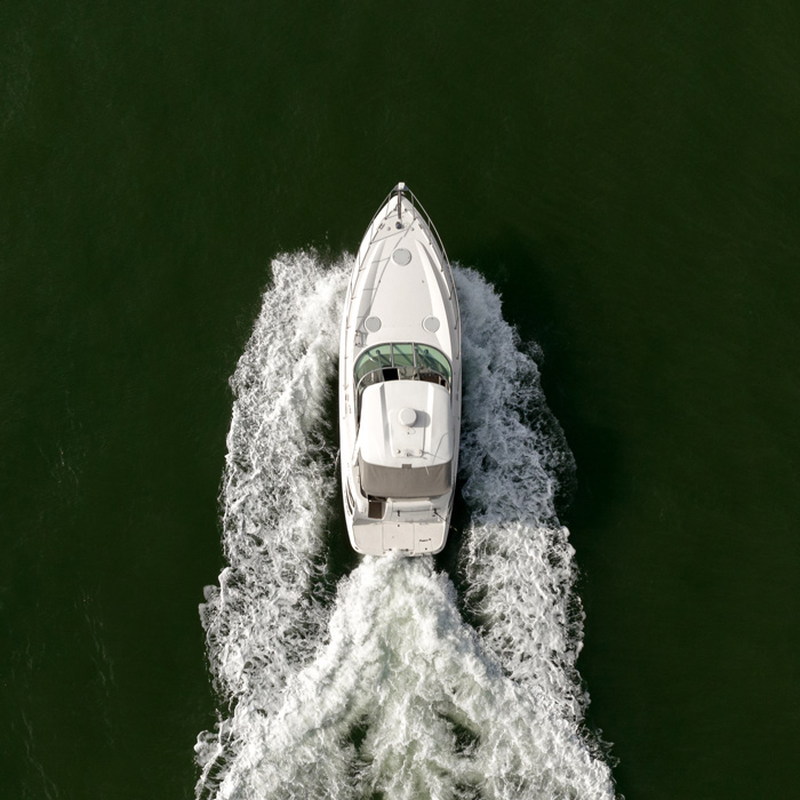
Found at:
<point>378,686</point>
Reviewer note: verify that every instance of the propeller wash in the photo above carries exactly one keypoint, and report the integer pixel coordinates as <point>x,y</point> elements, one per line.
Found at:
<point>377,686</point>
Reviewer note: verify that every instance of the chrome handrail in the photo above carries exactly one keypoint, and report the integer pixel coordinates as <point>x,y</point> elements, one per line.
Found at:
<point>402,189</point>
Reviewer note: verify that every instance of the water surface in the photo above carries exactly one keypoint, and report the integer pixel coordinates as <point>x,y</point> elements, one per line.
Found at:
<point>625,176</point>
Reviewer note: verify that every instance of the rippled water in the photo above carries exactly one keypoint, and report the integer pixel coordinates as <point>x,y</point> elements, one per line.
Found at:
<point>625,174</point>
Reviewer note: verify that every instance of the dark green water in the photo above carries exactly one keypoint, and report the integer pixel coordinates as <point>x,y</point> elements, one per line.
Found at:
<point>626,175</point>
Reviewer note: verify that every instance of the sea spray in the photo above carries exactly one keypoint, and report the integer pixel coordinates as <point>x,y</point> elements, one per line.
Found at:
<point>517,558</point>
<point>382,689</point>
<point>264,621</point>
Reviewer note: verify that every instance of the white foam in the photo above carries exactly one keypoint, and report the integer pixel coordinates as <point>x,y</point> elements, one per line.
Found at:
<point>517,559</point>
<point>385,688</point>
<point>264,621</point>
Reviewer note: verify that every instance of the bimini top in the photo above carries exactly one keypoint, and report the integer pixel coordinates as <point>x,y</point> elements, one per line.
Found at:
<point>404,439</point>
<point>404,420</point>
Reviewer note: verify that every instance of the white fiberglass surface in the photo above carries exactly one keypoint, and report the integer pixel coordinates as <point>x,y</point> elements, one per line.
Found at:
<point>383,438</point>
<point>378,685</point>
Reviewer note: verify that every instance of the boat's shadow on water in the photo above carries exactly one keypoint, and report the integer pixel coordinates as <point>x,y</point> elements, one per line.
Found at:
<point>544,316</point>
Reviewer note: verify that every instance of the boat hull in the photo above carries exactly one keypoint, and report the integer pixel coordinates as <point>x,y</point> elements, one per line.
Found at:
<point>400,385</point>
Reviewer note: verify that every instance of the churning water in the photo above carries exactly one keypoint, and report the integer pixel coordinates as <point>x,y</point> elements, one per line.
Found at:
<point>380,686</point>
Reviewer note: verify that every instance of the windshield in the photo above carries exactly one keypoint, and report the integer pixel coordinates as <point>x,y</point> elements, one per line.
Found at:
<point>404,361</point>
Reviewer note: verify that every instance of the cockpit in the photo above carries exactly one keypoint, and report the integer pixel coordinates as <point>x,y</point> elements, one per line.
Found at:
<point>405,441</point>
<point>408,361</point>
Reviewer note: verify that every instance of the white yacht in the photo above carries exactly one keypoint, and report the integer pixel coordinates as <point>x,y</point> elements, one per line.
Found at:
<point>400,385</point>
